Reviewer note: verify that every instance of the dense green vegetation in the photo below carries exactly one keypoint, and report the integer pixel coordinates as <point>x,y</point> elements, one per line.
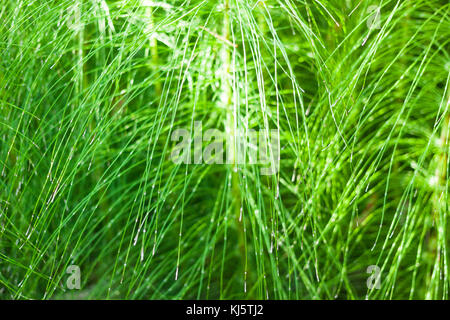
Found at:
<point>92,90</point>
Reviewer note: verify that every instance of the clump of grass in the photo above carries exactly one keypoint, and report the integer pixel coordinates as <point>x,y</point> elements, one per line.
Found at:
<point>92,90</point>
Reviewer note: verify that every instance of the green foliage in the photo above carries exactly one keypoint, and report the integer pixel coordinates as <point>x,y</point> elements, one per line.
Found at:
<point>91,91</point>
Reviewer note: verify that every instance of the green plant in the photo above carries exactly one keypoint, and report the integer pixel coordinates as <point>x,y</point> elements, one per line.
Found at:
<point>92,90</point>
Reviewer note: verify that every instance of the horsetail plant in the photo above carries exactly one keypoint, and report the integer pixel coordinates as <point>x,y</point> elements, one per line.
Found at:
<point>311,142</point>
